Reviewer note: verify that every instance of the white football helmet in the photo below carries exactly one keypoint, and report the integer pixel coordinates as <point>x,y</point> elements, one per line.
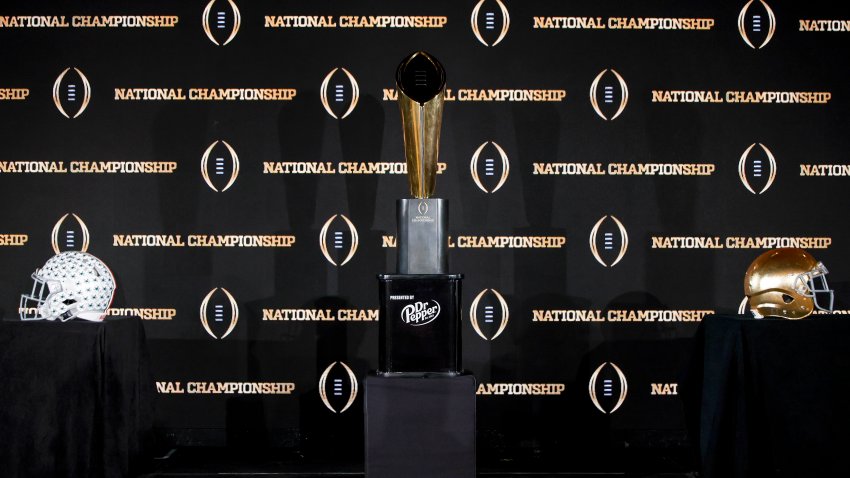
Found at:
<point>71,284</point>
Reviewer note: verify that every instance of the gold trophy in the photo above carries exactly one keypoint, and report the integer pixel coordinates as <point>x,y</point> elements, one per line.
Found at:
<point>419,330</point>
<point>419,335</point>
<point>420,313</point>
<point>423,220</point>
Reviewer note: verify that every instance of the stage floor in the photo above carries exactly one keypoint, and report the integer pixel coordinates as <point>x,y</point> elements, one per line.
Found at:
<point>216,462</point>
<point>296,474</point>
<point>332,474</point>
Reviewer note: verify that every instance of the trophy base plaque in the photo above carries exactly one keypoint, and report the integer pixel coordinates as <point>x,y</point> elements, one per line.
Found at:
<point>419,324</point>
<point>422,244</point>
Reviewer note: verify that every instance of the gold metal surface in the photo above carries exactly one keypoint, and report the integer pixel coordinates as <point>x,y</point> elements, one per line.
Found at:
<point>772,283</point>
<point>421,124</point>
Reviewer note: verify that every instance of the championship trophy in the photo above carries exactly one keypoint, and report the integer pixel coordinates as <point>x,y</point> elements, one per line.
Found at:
<point>419,405</point>
<point>420,305</point>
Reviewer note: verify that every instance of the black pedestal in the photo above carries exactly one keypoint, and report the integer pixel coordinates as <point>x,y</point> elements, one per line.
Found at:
<point>768,397</point>
<point>419,326</point>
<point>76,398</point>
<point>420,427</point>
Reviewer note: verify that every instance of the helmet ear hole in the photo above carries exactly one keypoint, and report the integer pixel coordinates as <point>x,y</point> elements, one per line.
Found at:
<point>787,298</point>
<point>69,301</point>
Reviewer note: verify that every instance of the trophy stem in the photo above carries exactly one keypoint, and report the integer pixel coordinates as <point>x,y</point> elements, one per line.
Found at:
<point>421,85</point>
<point>421,164</point>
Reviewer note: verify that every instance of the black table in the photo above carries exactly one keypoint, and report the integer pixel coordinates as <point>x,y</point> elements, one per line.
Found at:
<point>769,397</point>
<point>76,398</point>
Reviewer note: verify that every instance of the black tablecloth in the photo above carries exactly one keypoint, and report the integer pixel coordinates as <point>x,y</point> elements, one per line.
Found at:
<point>420,427</point>
<point>769,397</point>
<point>76,398</point>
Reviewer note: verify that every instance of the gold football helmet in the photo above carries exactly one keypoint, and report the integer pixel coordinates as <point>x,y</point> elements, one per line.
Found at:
<point>786,283</point>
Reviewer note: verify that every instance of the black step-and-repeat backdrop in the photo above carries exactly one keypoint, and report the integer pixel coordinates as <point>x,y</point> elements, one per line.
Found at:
<point>612,167</point>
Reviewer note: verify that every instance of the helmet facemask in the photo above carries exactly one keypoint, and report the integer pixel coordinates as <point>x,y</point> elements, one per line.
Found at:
<point>47,301</point>
<point>30,305</point>
<point>813,284</point>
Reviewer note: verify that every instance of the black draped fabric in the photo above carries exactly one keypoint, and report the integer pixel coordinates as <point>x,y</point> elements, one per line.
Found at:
<point>420,427</point>
<point>76,398</point>
<point>769,397</point>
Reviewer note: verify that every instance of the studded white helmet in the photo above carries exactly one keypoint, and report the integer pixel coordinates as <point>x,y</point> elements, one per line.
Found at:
<point>70,285</point>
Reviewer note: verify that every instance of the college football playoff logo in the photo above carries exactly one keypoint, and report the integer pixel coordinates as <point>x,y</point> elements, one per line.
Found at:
<point>221,21</point>
<point>608,387</point>
<point>343,387</point>
<point>221,173</point>
<point>338,240</point>
<point>345,94</point>
<point>71,92</point>
<point>225,313</point>
<point>614,94</point>
<point>490,306</point>
<point>69,235</point>
<point>757,170</point>
<point>495,173</point>
<point>757,24</point>
<point>744,307</point>
<point>614,241</point>
<point>490,22</point>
